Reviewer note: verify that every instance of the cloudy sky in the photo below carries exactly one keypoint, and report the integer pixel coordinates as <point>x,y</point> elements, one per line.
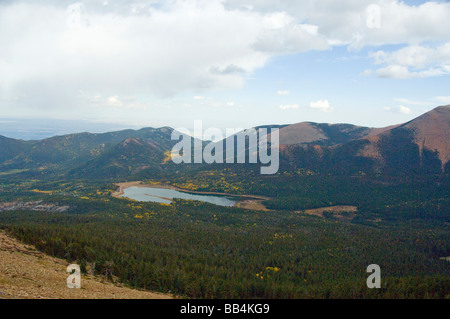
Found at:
<point>230,63</point>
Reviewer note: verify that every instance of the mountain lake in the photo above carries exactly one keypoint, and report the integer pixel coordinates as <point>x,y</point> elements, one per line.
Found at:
<point>165,196</point>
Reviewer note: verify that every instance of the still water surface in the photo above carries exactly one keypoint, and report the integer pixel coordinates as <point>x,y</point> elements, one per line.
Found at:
<point>162,195</point>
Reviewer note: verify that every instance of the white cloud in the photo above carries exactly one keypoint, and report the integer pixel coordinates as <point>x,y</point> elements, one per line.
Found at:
<point>345,21</point>
<point>398,109</point>
<point>154,48</point>
<point>51,51</point>
<point>394,72</point>
<point>416,56</point>
<point>277,20</point>
<point>114,101</point>
<point>443,99</point>
<point>321,105</point>
<point>411,102</point>
<point>366,72</point>
<point>289,107</point>
<point>414,62</point>
<point>211,102</point>
<point>292,39</point>
<point>404,110</point>
<point>283,92</point>
<point>403,72</point>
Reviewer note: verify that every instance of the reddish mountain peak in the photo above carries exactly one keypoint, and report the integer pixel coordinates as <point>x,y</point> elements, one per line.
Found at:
<point>301,133</point>
<point>431,131</point>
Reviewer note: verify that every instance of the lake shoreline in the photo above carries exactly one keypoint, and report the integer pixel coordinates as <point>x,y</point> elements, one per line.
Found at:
<point>255,201</point>
<point>141,184</point>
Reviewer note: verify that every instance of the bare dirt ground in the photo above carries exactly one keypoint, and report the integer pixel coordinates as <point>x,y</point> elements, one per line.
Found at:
<point>251,204</point>
<point>122,186</point>
<point>337,210</point>
<point>26,273</point>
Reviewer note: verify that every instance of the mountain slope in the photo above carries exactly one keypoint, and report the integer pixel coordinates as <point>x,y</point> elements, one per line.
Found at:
<point>63,153</point>
<point>325,134</point>
<point>431,131</point>
<point>321,134</point>
<point>10,148</point>
<point>420,146</point>
<point>26,273</point>
<point>126,158</point>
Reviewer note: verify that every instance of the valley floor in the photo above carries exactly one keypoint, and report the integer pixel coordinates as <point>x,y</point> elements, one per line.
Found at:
<point>26,273</point>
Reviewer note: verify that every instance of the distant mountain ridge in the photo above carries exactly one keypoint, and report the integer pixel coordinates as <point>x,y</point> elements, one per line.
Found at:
<point>68,153</point>
<point>420,146</point>
<point>325,134</point>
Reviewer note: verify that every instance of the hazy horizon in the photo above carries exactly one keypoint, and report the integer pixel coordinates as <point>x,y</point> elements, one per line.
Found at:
<point>37,129</point>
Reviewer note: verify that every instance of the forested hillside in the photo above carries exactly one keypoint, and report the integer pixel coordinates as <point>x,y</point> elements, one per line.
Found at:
<point>205,251</point>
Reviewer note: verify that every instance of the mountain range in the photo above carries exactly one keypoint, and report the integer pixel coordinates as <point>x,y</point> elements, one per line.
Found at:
<point>420,146</point>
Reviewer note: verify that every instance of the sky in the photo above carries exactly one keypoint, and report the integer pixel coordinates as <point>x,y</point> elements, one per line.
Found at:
<point>228,63</point>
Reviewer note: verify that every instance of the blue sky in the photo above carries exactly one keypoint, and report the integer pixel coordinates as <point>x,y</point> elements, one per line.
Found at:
<point>228,63</point>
